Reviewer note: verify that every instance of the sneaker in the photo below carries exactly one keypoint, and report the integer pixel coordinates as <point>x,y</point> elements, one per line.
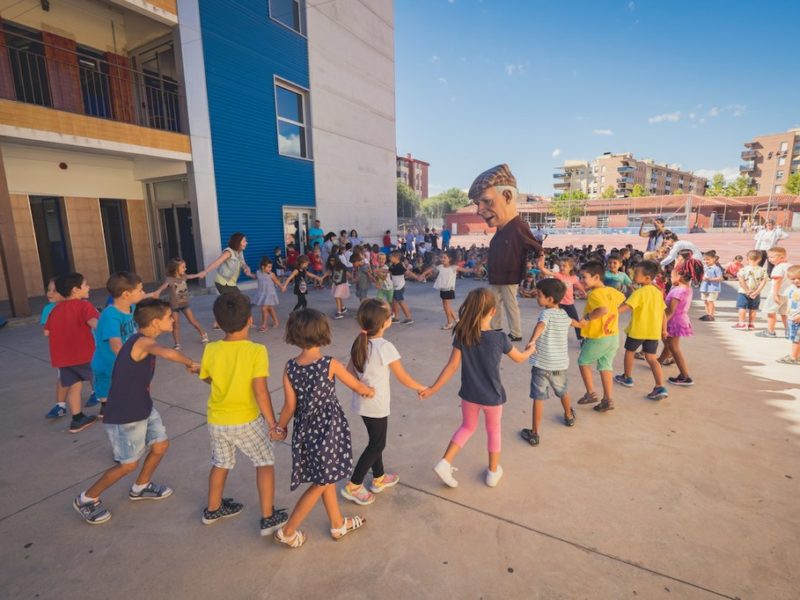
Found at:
<point>338,316</point>
<point>514,338</point>
<point>153,491</point>
<point>658,393</point>
<point>344,310</point>
<point>56,412</point>
<point>448,326</point>
<point>639,355</point>
<point>177,346</point>
<point>622,380</point>
<point>680,380</point>
<point>395,320</point>
<point>92,401</point>
<point>570,421</point>
<point>767,334</point>
<point>706,318</point>
<point>228,508</point>
<point>93,513</point>
<point>530,436</point>
<point>751,327</point>
<point>204,338</point>
<point>78,425</point>
<point>445,472</point>
<point>102,410</point>
<point>388,480</point>
<point>361,496</point>
<point>271,524</point>
<point>408,322</point>
<point>493,477</point>
<point>741,326</point>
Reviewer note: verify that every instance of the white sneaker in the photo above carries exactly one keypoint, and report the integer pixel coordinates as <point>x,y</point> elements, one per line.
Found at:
<point>493,477</point>
<point>445,472</point>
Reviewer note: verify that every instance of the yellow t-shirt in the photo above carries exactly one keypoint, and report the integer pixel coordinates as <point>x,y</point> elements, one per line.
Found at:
<point>232,366</point>
<point>647,317</point>
<point>608,324</point>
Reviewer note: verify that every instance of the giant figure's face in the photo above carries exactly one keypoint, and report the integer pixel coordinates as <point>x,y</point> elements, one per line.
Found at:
<point>496,207</point>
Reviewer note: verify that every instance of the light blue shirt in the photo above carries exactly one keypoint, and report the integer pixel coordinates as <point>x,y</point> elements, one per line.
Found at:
<point>711,286</point>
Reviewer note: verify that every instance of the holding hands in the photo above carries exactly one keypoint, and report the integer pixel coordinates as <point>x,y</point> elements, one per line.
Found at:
<point>277,433</point>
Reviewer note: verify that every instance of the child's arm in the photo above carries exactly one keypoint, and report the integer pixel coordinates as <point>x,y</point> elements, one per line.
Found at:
<point>289,280</point>
<point>145,346</point>
<point>339,371</point>
<point>776,288</point>
<point>673,304</point>
<point>537,332</point>
<point>317,278</point>
<point>275,279</point>
<point>289,403</point>
<point>624,307</point>
<point>115,344</point>
<point>198,275</point>
<point>91,323</point>
<point>597,313</point>
<point>403,376</point>
<point>518,356</point>
<point>757,292</point>
<point>264,400</point>
<point>449,370</point>
<point>160,290</point>
<point>542,268</point>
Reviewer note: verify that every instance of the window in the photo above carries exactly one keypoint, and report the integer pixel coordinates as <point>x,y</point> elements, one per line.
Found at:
<point>784,146</point>
<point>781,161</point>
<point>292,113</point>
<point>778,189</point>
<point>28,65</point>
<point>290,13</point>
<point>779,175</point>
<point>94,85</point>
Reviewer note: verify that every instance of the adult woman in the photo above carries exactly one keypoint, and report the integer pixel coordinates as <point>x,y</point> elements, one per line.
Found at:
<point>327,246</point>
<point>354,239</point>
<point>230,264</point>
<point>768,238</point>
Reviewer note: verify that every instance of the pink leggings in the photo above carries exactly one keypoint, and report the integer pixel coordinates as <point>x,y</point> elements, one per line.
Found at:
<point>470,412</point>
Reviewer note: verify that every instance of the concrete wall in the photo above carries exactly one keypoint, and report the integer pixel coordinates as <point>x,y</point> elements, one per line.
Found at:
<point>351,67</point>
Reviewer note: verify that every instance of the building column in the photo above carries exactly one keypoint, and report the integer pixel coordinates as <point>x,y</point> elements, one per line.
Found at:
<point>9,252</point>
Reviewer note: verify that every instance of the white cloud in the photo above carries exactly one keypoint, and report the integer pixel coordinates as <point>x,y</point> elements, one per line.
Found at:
<point>631,5</point>
<point>556,153</point>
<point>736,109</point>
<point>442,80</point>
<point>692,116</point>
<point>452,1</point>
<point>714,112</point>
<point>514,69</point>
<point>668,117</point>
<point>729,173</point>
<point>602,132</point>
<point>433,59</point>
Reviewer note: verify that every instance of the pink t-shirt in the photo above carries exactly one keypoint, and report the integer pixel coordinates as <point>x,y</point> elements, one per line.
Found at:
<point>569,281</point>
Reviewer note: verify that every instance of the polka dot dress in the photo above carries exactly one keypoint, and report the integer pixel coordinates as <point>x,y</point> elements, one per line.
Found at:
<point>321,448</point>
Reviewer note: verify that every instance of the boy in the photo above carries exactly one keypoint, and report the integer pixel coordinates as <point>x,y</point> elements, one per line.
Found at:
<point>793,308</point>
<point>646,328</point>
<point>240,412</point>
<point>69,329</point>
<point>131,422</point>
<point>732,269</point>
<point>398,272</point>
<point>752,279</point>
<point>711,285</point>
<point>115,326</point>
<point>527,289</point>
<point>600,327</point>
<point>550,360</point>
<point>775,304</point>
<point>380,275</point>
<point>614,277</point>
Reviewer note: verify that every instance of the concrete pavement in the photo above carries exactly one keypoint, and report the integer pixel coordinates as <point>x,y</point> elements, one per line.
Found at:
<point>691,497</point>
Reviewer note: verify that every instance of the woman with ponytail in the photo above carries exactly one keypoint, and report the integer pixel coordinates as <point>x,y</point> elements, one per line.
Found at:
<point>372,358</point>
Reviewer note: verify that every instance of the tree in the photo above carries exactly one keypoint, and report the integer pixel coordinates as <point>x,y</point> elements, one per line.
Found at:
<point>793,184</point>
<point>740,187</point>
<point>407,201</point>
<point>568,205</point>
<point>638,191</point>
<point>609,192</point>
<point>717,187</point>
<point>677,192</point>
<point>446,202</point>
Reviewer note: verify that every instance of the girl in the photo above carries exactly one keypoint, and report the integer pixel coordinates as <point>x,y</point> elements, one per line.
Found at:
<point>337,271</point>
<point>566,276</point>
<point>372,358</point>
<point>267,297</point>
<point>321,448</point>
<point>481,390</point>
<point>300,277</point>
<point>179,299</point>
<point>361,269</point>
<point>678,301</point>
<point>383,280</point>
<point>373,257</point>
<point>446,284</point>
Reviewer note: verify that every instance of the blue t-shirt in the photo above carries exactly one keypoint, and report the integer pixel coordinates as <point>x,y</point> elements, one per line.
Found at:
<point>46,312</point>
<point>113,323</point>
<point>711,286</point>
<point>480,369</point>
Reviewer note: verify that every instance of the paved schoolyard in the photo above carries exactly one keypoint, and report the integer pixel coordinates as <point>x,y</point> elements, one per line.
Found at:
<point>691,497</point>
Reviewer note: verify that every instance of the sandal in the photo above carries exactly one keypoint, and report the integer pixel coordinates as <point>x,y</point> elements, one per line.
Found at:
<point>788,360</point>
<point>604,406</point>
<point>588,398</point>
<point>297,540</point>
<point>667,362</point>
<point>350,524</point>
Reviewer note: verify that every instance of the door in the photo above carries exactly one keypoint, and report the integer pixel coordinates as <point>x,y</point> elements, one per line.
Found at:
<point>51,241</point>
<point>177,239</point>
<point>115,231</point>
<point>296,223</point>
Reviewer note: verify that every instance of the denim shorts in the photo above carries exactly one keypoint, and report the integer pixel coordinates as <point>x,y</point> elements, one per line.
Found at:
<point>400,295</point>
<point>599,350</point>
<point>745,302</point>
<point>130,440</point>
<point>251,438</point>
<point>794,332</point>
<point>542,381</point>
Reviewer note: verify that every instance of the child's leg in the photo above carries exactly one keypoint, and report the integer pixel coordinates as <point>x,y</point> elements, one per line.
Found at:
<point>752,317</point>
<point>586,375</point>
<point>708,307</point>
<point>176,327</point>
<point>331,503</point>
<point>73,398</point>
<point>372,457</point>
<point>607,378</point>
<point>189,314</point>
<point>265,482</point>
<point>404,307</point>
<point>493,417</point>
<point>566,405</point>
<point>674,344</point>
<point>300,302</point>
<point>785,320</point>
<point>304,506</point>
<point>628,362</point>
<point>263,325</point>
<point>151,462</point>
<point>469,423</point>
<point>216,485</point>
<point>538,409</point>
<point>743,315</point>
<point>274,315</point>
<point>446,313</point>
<point>395,310</point>
<point>712,308</point>
<point>109,478</point>
<point>655,367</point>
<point>771,318</point>
<point>796,351</point>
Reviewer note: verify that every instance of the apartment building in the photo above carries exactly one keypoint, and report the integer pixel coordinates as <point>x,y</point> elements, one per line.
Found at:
<point>770,159</point>
<point>621,172</point>
<point>413,172</point>
<point>133,131</point>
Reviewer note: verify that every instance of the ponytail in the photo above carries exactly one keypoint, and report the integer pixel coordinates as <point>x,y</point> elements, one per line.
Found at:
<point>372,314</point>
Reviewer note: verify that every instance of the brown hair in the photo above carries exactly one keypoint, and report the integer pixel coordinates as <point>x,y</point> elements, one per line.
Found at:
<point>307,328</point>
<point>121,282</point>
<point>372,314</point>
<point>148,310</point>
<point>793,271</point>
<point>478,303</point>
<point>173,265</point>
<point>780,250</point>
<point>235,241</point>
<point>301,260</point>
<point>754,255</point>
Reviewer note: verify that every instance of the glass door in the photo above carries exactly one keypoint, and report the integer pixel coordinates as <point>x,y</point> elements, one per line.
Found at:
<point>115,231</point>
<point>296,224</point>
<point>48,226</point>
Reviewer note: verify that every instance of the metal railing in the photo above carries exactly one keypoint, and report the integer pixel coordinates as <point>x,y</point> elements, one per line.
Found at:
<point>91,86</point>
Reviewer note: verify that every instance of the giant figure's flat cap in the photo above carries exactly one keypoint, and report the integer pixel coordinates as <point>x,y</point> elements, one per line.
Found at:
<point>499,175</point>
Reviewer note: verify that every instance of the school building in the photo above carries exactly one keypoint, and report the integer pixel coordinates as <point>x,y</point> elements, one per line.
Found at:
<point>133,131</point>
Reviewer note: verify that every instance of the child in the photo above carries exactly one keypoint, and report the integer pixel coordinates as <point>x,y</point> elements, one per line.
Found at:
<point>337,271</point>
<point>292,254</point>
<point>793,310</point>
<point>646,328</point>
<point>132,423</point>
<point>280,262</point>
<point>732,269</point>
<point>679,300</point>
<point>567,276</point>
<point>321,447</point>
<point>383,280</point>
<point>267,296</point>
<point>550,360</point>
<point>752,279</point>
<point>711,284</point>
<point>446,284</point>
<point>179,299</point>
<point>614,277</point>
<point>601,330</point>
<point>372,360</point>
<point>398,272</point>
<point>775,304</point>
<point>69,329</point>
<point>361,268</point>
<point>300,277</point>
<point>481,389</point>
<point>240,412</point>
<point>527,289</point>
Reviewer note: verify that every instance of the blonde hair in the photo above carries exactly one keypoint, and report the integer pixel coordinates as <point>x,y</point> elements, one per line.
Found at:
<point>478,303</point>
<point>777,250</point>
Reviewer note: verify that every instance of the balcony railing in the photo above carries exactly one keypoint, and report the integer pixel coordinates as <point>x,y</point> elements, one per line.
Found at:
<point>625,169</point>
<point>624,180</point>
<point>560,175</point>
<point>749,154</point>
<point>746,167</point>
<point>84,83</point>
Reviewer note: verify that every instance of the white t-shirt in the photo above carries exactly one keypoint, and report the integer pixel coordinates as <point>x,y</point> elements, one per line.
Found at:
<point>779,270</point>
<point>446,279</point>
<point>766,239</point>
<point>376,375</point>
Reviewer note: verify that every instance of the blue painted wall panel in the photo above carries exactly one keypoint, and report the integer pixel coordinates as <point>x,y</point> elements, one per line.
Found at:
<point>243,50</point>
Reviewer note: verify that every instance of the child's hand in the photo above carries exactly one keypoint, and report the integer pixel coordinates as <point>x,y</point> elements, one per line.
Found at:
<point>796,319</point>
<point>531,346</point>
<point>426,393</point>
<point>368,392</point>
<point>202,275</point>
<point>193,368</point>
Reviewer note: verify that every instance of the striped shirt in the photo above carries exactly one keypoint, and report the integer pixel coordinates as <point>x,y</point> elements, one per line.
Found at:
<point>551,347</point>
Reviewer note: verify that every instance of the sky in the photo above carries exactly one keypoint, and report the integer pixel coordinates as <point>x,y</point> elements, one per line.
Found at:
<point>534,82</point>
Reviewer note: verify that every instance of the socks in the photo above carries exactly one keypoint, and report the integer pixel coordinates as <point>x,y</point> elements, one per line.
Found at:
<point>136,489</point>
<point>78,416</point>
<point>86,500</point>
<point>61,404</point>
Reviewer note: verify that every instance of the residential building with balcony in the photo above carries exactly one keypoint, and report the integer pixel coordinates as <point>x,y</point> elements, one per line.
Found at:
<point>413,172</point>
<point>770,159</point>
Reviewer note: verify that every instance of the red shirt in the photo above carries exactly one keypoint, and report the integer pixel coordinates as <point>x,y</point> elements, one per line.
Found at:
<point>291,257</point>
<point>71,339</point>
<point>314,261</point>
<point>387,241</point>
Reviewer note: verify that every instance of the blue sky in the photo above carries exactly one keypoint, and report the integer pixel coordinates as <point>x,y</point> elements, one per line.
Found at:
<point>535,82</point>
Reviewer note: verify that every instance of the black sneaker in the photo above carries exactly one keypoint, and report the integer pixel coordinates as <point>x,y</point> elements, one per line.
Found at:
<point>680,380</point>
<point>529,436</point>
<point>570,421</point>
<point>228,508</point>
<point>514,338</point>
<point>80,424</point>
<point>93,513</point>
<point>271,524</point>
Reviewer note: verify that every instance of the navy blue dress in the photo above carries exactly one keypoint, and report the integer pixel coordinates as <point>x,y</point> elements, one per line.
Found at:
<point>321,449</point>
